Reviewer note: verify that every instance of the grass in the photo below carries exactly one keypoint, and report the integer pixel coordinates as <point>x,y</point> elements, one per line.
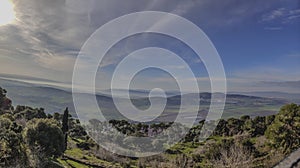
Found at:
<point>71,164</point>
<point>185,148</point>
<point>87,156</point>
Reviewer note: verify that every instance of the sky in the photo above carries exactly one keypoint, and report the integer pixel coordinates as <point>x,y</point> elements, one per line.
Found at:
<point>258,41</point>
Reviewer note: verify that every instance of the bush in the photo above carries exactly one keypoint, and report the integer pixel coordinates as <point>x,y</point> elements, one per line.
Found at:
<point>284,132</point>
<point>46,135</point>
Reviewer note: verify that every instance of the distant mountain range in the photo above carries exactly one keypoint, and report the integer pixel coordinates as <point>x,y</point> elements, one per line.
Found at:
<point>56,99</point>
<point>292,97</point>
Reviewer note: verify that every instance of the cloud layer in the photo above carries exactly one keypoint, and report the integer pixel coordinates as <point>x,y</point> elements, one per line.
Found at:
<point>46,37</point>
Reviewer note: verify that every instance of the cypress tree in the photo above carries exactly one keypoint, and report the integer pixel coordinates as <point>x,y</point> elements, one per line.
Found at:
<point>65,119</point>
<point>65,126</point>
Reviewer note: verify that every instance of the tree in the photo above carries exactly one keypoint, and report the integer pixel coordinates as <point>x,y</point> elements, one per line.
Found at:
<point>245,118</point>
<point>222,129</point>
<point>46,136</point>
<point>12,151</point>
<point>257,126</point>
<point>65,127</point>
<point>57,116</point>
<point>2,94</point>
<point>284,132</point>
<point>12,148</point>
<point>234,126</point>
<point>5,103</point>
<point>29,113</point>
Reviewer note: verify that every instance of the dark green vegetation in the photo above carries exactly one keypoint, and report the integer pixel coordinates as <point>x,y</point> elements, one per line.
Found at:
<point>31,138</point>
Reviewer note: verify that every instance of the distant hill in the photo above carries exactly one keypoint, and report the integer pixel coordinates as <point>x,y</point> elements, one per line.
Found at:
<point>136,93</point>
<point>292,97</point>
<point>56,99</point>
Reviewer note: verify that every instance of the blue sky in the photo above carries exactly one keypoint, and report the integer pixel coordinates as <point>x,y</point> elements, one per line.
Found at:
<point>258,41</point>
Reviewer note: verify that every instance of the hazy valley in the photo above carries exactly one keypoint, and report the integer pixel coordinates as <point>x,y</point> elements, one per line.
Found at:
<point>54,99</point>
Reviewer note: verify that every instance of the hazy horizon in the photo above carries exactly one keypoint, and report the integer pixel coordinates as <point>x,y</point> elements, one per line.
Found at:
<point>68,87</point>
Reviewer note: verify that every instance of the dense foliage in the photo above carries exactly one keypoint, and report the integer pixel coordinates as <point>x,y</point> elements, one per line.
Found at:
<point>46,136</point>
<point>284,132</point>
<point>31,138</point>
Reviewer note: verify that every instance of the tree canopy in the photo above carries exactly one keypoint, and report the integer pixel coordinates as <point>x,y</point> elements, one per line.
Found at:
<point>46,135</point>
<point>284,132</point>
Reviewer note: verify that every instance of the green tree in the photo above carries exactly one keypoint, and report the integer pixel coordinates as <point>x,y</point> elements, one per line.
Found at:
<point>221,129</point>
<point>45,135</point>
<point>234,126</point>
<point>65,127</point>
<point>5,103</point>
<point>57,116</point>
<point>284,132</point>
<point>29,113</point>
<point>257,126</point>
<point>12,151</point>
<point>2,94</point>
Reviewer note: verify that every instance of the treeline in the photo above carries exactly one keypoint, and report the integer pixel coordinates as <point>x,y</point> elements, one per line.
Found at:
<point>261,141</point>
<point>282,129</point>
<point>31,138</point>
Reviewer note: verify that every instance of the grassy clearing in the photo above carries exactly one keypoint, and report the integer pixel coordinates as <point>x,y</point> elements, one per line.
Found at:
<point>88,157</point>
<point>71,164</point>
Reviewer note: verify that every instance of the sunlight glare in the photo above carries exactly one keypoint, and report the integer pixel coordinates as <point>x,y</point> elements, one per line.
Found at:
<point>7,14</point>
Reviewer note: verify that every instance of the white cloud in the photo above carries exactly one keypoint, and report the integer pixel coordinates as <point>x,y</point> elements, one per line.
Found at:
<point>53,61</point>
<point>49,33</point>
<point>282,15</point>
<point>275,14</point>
